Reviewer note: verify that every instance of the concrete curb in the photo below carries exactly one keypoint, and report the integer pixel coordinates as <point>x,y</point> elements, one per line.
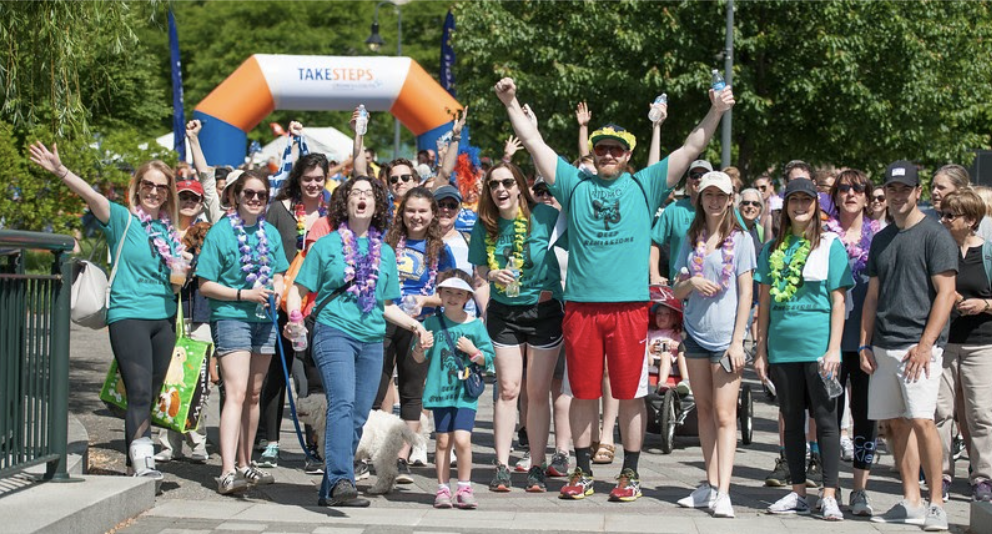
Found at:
<point>981,518</point>
<point>78,456</point>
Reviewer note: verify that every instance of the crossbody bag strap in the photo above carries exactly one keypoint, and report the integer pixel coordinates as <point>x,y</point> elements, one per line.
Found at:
<point>117,259</point>
<point>451,342</point>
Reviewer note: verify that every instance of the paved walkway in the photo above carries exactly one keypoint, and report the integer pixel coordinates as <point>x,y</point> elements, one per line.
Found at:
<point>189,502</point>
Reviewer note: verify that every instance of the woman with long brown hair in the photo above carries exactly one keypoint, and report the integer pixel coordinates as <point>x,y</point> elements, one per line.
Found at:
<point>509,248</point>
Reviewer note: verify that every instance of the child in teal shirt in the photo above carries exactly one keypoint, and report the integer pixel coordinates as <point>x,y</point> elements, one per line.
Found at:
<point>455,342</point>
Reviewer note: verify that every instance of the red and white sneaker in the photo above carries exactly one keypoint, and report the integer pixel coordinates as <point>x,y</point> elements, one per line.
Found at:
<point>578,487</point>
<point>628,488</point>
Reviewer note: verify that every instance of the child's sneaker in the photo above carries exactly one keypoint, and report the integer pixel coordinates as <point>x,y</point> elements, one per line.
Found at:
<point>578,487</point>
<point>683,388</point>
<point>442,499</point>
<point>628,488</point>
<point>465,499</point>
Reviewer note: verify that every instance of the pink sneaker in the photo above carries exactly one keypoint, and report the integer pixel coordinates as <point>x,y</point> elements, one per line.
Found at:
<point>443,498</point>
<point>465,499</point>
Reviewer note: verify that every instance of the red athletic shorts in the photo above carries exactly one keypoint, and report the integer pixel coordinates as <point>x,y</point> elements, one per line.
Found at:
<point>614,332</point>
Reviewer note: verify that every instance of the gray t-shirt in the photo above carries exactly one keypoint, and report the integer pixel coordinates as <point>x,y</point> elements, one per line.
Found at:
<point>904,262</point>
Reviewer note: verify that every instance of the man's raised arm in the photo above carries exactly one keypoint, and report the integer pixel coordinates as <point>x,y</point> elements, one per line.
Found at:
<point>545,158</point>
<point>699,137</point>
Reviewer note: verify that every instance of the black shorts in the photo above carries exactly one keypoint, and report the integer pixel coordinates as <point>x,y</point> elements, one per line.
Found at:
<point>538,325</point>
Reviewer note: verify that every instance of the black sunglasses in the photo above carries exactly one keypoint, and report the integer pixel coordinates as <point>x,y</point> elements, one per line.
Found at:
<point>754,203</point>
<point>878,198</point>
<point>542,193</point>
<point>858,188</point>
<point>507,183</point>
<point>447,205</point>
<point>189,197</point>
<point>696,175</point>
<point>948,216</point>
<point>404,177</point>
<point>251,194</point>
<point>148,186</point>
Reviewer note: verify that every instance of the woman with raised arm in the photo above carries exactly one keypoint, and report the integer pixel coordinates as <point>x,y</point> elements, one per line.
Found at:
<point>142,299</point>
<point>240,266</point>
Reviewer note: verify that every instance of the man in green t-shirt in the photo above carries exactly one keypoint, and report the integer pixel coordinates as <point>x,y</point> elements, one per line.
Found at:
<point>609,223</point>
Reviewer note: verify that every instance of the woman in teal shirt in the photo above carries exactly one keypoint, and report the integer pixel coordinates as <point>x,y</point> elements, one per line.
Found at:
<point>142,300</point>
<point>804,276</point>
<point>353,271</point>
<point>240,266</point>
<point>509,248</point>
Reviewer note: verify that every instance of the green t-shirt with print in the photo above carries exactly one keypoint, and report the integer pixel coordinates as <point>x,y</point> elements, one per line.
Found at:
<point>323,272</point>
<point>671,228</point>
<point>799,329</point>
<point>609,231</point>
<point>141,287</point>
<point>540,272</point>
<point>443,387</point>
<point>220,261</point>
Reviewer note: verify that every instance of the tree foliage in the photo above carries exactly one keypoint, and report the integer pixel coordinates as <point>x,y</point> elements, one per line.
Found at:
<point>843,82</point>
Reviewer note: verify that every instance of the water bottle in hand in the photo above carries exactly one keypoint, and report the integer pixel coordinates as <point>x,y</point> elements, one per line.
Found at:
<point>297,331</point>
<point>719,84</point>
<point>830,381</point>
<point>654,115</point>
<point>513,288</point>
<point>409,305</point>
<point>262,310</point>
<point>362,123</point>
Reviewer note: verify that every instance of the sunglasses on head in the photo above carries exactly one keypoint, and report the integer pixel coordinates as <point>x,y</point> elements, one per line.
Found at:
<point>746,203</point>
<point>251,194</point>
<point>614,150</point>
<point>846,188</point>
<point>507,183</point>
<point>447,205</point>
<point>147,186</point>
<point>404,177</point>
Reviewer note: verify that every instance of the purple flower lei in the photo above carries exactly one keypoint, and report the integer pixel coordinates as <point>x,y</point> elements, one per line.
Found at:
<point>727,252</point>
<point>363,269</point>
<point>857,252</point>
<point>165,249</point>
<point>428,288</point>
<point>258,272</point>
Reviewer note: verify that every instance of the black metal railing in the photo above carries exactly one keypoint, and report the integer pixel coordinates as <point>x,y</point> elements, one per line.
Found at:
<point>34,354</point>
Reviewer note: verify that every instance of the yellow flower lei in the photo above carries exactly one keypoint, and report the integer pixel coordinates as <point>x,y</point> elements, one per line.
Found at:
<point>792,273</point>
<point>517,260</point>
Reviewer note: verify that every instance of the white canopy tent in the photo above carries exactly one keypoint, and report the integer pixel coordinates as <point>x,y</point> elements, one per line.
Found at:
<point>330,141</point>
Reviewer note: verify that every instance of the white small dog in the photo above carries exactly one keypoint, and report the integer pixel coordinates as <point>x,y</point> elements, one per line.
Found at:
<point>383,435</point>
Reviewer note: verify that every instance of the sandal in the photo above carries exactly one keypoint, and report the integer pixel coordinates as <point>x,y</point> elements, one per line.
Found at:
<point>604,454</point>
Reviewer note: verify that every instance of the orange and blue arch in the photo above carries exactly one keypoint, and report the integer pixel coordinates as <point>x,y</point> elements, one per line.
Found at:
<point>265,83</point>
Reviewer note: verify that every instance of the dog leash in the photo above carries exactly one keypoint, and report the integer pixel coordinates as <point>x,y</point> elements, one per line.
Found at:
<point>274,315</point>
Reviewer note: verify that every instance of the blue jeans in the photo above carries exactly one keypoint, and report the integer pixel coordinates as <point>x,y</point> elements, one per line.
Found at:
<point>350,370</point>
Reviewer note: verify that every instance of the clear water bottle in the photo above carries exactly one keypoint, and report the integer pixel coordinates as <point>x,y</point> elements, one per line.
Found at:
<point>830,381</point>
<point>719,84</point>
<point>655,114</point>
<point>513,288</point>
<point>362,123</point>
<point>409,305</point>
<point>262,310</point>
<point>297,331</point>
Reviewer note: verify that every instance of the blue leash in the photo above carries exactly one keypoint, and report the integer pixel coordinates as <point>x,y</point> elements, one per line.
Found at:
<point>274,315</point>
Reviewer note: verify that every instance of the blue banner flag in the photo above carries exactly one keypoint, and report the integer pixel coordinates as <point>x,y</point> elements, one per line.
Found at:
<point>178,116</point>
<point>448,56</point>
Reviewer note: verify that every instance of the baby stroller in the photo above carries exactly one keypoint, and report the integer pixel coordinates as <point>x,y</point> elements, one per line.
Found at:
<point>671,412</point>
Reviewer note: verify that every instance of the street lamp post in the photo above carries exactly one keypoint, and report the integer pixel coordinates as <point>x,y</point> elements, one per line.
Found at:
<point>728,58</point>
<point>375,42</point>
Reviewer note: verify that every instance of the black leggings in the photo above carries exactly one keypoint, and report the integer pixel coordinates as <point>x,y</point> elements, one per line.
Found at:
<point>412,375</point>
<point>799,387</point>
<point>273,397</point>
<point>865,430</point>
<point>143,350</point>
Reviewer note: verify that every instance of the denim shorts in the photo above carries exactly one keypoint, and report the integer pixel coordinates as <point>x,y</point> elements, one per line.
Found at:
<point>694,352</point>
<point>239,336</point>
<point>448,420</point>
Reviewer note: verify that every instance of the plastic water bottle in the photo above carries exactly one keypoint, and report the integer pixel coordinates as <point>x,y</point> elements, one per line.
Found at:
<point>513,288</point>
<point>409,305</point>
<point>297,331</point>
<point>834,389</point>
<point>362,123</point>
<point>654,115</point>
<point>719,84</point>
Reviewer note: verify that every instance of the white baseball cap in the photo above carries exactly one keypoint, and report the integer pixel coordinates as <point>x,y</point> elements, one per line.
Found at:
<point>717,179</point>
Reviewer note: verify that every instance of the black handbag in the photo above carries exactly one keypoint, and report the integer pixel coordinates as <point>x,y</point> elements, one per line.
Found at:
<point>474,382</point>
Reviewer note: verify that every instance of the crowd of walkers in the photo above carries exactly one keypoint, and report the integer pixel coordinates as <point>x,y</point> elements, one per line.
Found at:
<point>863,314</point>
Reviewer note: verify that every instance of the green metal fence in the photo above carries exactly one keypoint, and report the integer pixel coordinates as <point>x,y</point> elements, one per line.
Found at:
<point>34,354</point>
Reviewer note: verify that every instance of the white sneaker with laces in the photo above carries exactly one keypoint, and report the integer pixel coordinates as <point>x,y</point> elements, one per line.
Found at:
<point>418,455</point>
<point>830,510</point>
<point>793,503</point>
<point>704,496</point>
<point>722,507</point>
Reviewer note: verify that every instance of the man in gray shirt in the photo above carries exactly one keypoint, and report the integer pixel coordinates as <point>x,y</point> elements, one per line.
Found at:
<point>912,266</point>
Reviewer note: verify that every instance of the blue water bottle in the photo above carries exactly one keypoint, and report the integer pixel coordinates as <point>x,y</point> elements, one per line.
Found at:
<point>719,84</point>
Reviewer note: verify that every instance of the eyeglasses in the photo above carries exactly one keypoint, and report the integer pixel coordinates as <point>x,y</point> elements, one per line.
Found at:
<point>542,193</point>
<point>250,194</point>
<point>405,177</point>
<point>447,205</point>
<point>189,197</point>
<point>507,183</point>
<point>614,150</point>
<point>846,188</point>
<point>878,198</point>
<point>147,186</point>
<point>754,203</point>
<point>948,216</point>
<point>362,193</point>
<point>696,175</point>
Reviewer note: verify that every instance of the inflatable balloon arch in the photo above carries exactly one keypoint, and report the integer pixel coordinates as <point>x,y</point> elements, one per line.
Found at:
<point>265,83</point>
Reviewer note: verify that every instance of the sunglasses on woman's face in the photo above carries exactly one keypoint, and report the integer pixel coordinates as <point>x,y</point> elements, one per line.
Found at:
<point>878,198</point>
<point>846,188</point>
<point>753,203</point>
<point>405,177</point>
<point>949,216</point>
<point>250,194</point>
<point>189,197</point>
<point>507,183</point>
<point>447,205</point>
<point>147,186</point>
<point>541,193</point>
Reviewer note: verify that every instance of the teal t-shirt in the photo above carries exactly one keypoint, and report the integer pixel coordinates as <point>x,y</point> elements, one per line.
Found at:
<point>609,231</point>
<point>220,261</point>
<point>799,329</point>
<point>672,227</point>
<point>141,288</point>
<point>323,272</point>
<point>541,271</point>
<point>443,389</point>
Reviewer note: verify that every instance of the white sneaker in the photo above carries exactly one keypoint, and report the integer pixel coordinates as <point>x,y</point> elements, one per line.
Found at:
<point>683,388</point>
<point>793,503</point>
<point>704,496</point>
<point>846,449</point>
<point>523,464</point>
<point>418,455</point>
<point>830,510</point>
<point>722,506</point>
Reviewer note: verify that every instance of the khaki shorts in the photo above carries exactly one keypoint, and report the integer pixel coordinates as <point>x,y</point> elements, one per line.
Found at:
<point>891,397</point>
